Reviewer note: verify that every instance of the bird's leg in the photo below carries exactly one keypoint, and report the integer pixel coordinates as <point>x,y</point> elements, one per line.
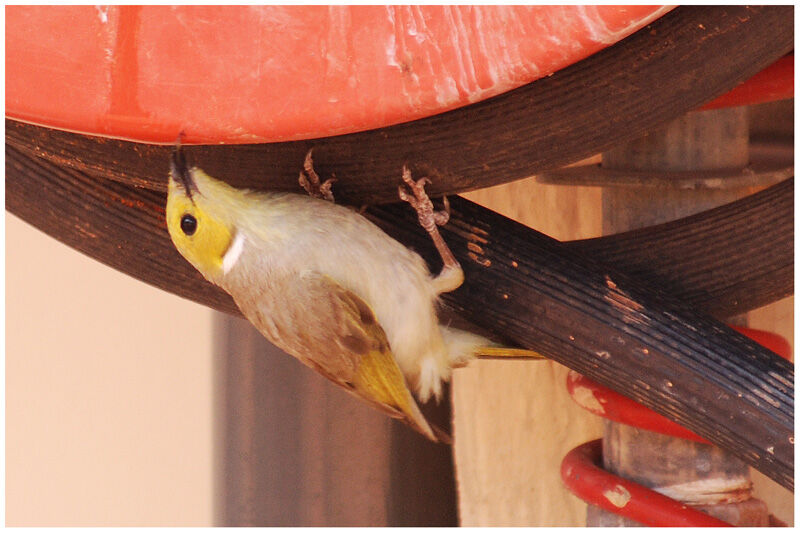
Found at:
<point>451,277</point>
<point>310,181</point>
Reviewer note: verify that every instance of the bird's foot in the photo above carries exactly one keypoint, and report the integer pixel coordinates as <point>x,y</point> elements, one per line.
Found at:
<point>418,198</point>
<point>451,276</point>
<point>310,181</point>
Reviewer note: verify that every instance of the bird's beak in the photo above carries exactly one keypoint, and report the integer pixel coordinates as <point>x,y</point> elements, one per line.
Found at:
<point>180,171</point>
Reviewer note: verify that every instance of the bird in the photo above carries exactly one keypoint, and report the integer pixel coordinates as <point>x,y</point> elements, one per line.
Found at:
<point>326,285</point>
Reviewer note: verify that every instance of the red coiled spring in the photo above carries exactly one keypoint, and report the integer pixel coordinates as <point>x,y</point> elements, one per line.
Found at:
<point>583,476</point>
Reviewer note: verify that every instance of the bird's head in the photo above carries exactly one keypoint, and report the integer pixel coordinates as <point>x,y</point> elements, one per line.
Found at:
<point>200,218</point>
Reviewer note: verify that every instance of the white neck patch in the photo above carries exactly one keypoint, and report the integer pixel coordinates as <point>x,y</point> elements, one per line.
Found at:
<point>234,252</point>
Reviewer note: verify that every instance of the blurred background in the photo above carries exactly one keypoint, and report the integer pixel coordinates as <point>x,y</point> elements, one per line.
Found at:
<point>108,394</point>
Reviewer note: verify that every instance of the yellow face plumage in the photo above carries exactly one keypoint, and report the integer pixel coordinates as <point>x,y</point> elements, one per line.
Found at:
<point>198,231</point>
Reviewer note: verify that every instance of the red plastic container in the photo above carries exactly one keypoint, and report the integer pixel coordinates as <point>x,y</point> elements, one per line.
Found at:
<point>246,74</point>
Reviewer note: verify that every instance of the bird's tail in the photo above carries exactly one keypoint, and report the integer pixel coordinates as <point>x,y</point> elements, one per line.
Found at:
<point>463,346</point>
<point>504,352</point>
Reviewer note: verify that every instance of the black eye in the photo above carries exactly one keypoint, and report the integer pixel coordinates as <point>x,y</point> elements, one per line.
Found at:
<point>188,224</point>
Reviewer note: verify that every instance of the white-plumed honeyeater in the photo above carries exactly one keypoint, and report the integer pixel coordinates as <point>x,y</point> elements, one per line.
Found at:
<point>326,285</point>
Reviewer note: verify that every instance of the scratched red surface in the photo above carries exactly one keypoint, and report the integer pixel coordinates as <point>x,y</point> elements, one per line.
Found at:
<point>248,74</point>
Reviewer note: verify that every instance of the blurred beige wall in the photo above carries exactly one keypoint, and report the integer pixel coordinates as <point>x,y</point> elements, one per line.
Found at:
<point>108,394</point>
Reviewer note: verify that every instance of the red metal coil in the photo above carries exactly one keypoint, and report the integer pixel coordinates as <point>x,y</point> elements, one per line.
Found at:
<point>609,404</point>
<point>583,476</point>
<point>776,82</point>
<point>768,340</point>
<point>604,402</point>
<point>580,468</point>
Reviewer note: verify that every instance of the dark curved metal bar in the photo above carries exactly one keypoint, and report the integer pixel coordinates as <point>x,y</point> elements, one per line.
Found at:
<point>629,334</point>
<point>614,95</point>
<point>633,337</point>
<point>751,241</point>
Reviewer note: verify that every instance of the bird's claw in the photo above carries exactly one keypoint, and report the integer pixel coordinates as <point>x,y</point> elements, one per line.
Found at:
<point>451,276</point>
<point>421,203</point>
<point>310,181</point>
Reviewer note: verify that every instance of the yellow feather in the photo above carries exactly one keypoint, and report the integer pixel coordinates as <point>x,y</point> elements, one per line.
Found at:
<point>501,352</point>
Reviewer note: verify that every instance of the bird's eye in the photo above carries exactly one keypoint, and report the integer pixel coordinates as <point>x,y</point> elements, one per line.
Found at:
<point>188,224</point>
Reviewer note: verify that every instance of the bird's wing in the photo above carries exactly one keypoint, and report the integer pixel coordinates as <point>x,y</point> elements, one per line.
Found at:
<point>334,331</point>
